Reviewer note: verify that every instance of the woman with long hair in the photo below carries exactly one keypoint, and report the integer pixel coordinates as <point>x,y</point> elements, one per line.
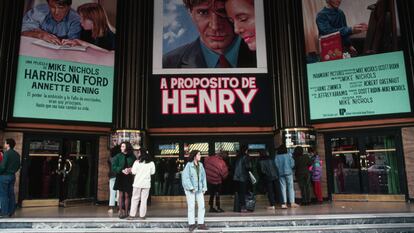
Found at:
<point>96,32</point>
<point>195,185</point>
<point>121,165</point>
<point>143,168</point>
<point>241,14</point>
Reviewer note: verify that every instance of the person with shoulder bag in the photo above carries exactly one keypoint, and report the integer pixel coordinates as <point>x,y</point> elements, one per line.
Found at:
<point>242,177</point>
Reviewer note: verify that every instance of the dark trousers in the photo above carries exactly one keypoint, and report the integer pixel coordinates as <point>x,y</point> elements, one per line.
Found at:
<point>305,188</point>
<point>214,190</point>
<point>271,191</point>
<point>7,197</point>
<point>242,189</point>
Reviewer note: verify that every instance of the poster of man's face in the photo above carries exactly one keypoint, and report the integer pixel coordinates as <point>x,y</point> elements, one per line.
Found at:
<point>211,36</point>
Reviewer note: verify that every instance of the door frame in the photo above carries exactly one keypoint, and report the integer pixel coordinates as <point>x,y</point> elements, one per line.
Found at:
<point>396,132</point>
<point>23,192</point>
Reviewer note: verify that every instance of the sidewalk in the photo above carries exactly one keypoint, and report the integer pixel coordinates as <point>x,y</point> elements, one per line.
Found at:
<point>180,210</point>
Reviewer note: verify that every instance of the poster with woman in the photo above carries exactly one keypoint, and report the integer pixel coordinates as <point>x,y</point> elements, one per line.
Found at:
<point>66,60</point>
<point>211,36</point>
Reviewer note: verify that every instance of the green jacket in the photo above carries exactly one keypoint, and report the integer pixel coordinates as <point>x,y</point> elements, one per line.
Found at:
<point>118,162</point>
<point>10,163</point>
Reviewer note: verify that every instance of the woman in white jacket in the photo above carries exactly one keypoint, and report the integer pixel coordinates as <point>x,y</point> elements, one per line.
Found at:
<point>143,168</point>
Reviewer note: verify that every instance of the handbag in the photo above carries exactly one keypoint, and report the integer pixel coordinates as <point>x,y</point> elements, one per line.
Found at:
<point>252,178</point>
<point>250,201</point>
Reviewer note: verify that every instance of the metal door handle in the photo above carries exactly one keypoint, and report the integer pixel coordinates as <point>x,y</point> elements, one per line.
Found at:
<point>363,162</point>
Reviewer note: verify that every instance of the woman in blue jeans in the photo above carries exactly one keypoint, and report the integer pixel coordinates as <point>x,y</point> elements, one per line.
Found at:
<point>195,185</point>
<point>285,163</point>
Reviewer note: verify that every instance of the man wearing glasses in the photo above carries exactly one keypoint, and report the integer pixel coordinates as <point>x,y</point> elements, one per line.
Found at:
<point>217,46</point>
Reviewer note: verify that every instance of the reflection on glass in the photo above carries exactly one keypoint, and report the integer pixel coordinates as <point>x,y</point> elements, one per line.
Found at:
<point>42,180</point>
<point>231,147</point>
<point>345,163</point>
<point>382,165</point>
<point>201,146</point>
<point>79,163</point>
<point>42,177</point>
<point>168,166</point>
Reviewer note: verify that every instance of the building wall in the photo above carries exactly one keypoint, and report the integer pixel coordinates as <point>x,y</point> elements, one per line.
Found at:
<point>408,147</point>
<point>103,180</point>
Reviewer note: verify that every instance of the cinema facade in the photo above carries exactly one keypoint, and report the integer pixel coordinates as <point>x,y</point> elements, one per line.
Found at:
<point>67,109</point>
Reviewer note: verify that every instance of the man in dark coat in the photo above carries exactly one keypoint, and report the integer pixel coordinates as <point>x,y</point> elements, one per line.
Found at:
<point>8,167</point>
<point>216,47</point>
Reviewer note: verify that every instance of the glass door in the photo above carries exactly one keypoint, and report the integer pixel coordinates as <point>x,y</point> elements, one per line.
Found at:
<point>381,165</point>
<point>57,170</point>
<point>366,163</point>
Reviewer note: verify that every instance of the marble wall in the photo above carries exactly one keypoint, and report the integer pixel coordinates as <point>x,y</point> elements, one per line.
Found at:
<point>408,147</point>
<point>103,185</point>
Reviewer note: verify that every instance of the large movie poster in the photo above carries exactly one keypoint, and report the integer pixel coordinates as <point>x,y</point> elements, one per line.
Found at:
<point>355,61</point>
<point>209,64</point>
<point>66,60</point>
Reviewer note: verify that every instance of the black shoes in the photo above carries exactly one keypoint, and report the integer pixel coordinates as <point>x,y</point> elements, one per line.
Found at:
<point>192,227</point>
<point>214,210</point>
<point>203,227</point>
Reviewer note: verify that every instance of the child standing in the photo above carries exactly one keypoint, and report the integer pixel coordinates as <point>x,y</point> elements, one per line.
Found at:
<point>316,175</point>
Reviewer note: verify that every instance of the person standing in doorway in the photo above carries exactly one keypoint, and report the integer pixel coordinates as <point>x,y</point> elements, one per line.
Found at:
<point>217,171</point>
<point>143,168</point>
<point>195,185</point>
<point>8,168</point>
<point>123,183</point>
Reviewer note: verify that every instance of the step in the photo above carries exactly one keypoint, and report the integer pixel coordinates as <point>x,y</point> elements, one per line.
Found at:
<point>395,222</point>
<point>374,228</point>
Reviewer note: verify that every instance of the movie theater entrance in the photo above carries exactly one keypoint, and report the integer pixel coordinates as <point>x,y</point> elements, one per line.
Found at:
<point>58,170</point>
<point>171,156</point>
<point>366,165</point>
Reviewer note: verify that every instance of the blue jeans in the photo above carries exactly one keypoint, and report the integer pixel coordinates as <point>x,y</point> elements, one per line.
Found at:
<point>286,185</point>
<point>7,197</point>
<point>112,192</point>
<point>191,199</point>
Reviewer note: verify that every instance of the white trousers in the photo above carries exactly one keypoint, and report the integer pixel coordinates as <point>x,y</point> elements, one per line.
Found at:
<point>191,199</point>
